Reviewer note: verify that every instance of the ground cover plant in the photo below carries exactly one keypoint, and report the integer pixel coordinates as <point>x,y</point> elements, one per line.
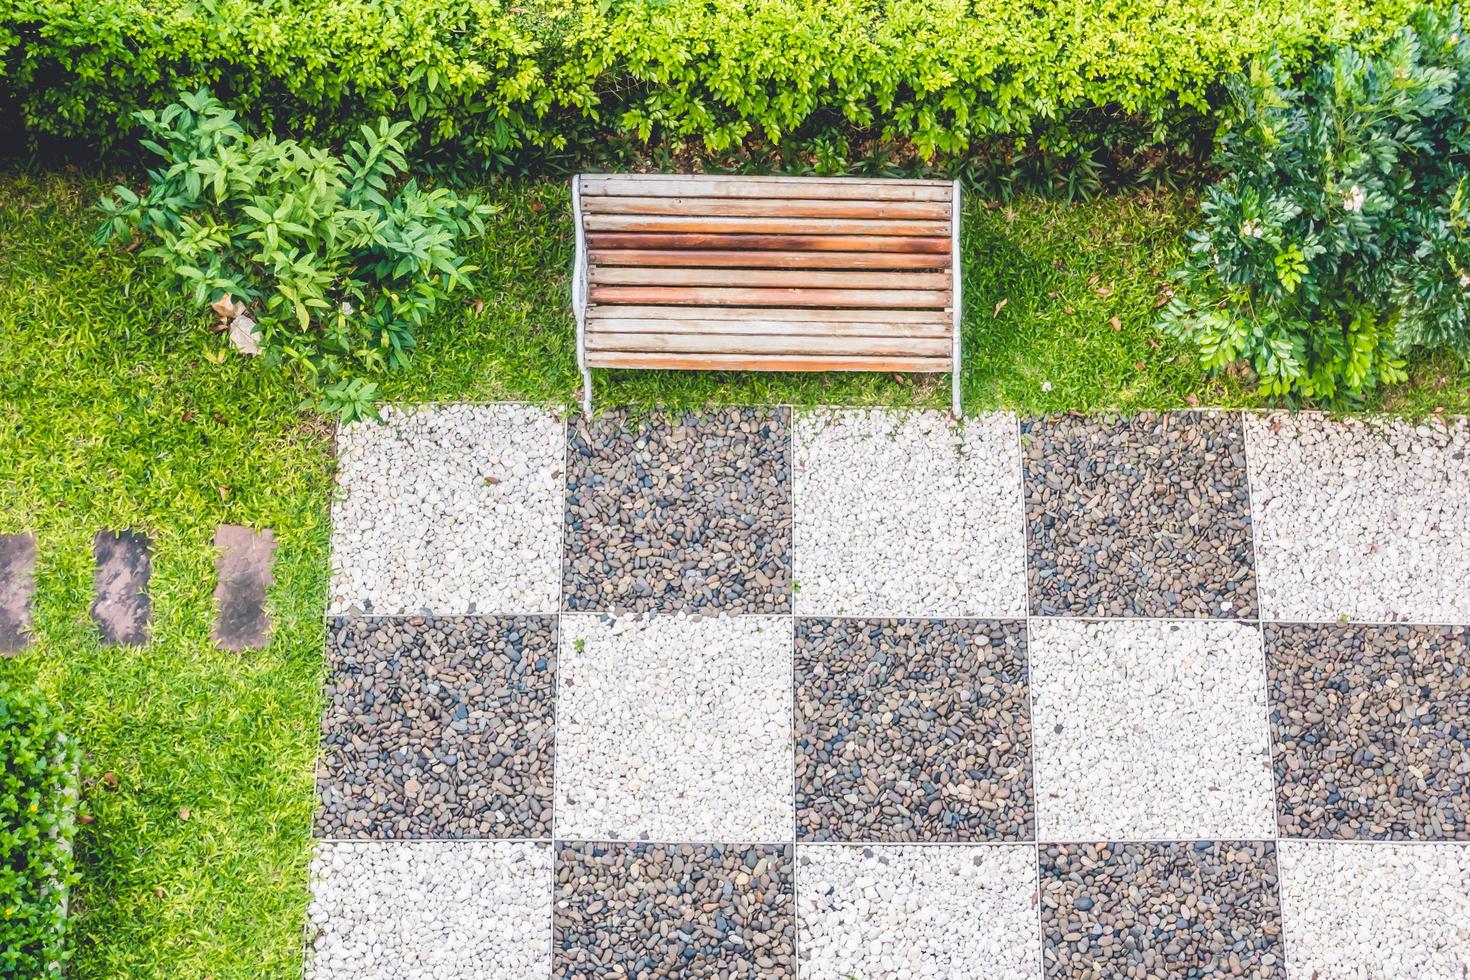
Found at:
<point>326,263</point>
<point>38,802</point>
<point>548,83</point>
<point>1339,237</point>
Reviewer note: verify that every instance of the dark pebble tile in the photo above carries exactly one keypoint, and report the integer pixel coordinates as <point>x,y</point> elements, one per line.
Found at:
<point>689,513</point>
<point>912,730</point>
<point>674,910</point>
<point>121,607</point>
<point>1147,516</point>
<point>1371,731</point>
<point>438,728</point>
<point>17,584</point>
<point>1193,909</point>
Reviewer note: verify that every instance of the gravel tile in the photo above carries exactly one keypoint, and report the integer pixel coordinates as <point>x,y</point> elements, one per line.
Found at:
<point>907,513</point>
<point>1148,516</point>
<point>452,510</point>
<point>1149,729</point>
<point>679,514</point>
<point>1371,730</point>
<point>912,730</point>
<point>1376,911</point>
<point>464,910</point>
<point>674,910</point>
<point>1192,909</point>
<point>438,728</point>
<point>917,912</point>
<point>17,585</point>
<point>1367,520</point>
<point>121,606</point>
<point>674,728</point>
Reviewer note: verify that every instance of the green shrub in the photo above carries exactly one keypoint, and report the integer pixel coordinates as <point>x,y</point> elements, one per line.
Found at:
<point>325,262</point>
<point>38,799</point>
<point>1340,234</point>
<point>559,82</point>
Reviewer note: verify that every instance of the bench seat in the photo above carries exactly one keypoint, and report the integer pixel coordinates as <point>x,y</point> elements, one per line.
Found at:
<point>766,274</point>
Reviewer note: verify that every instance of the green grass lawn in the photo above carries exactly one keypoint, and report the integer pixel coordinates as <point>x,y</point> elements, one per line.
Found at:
<point>118,411</point>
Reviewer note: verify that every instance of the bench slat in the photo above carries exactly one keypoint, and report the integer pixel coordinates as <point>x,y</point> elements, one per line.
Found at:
<point>744,343</point>
<point>821,243</point>
<point>648,276</point>
<point>794,314</point>
<point>765,362</point>
<point>777,327</point>
<point>719,296</point>
<point>729,259</point>
<point>789,208</point>
<point>770,225</point>
<point>834,188</point>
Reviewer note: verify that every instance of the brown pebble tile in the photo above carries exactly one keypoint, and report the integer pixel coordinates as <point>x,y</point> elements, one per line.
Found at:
<point>689,513</point>
<point>1147,516</point>
<point>438,728</point>
<point>121,607</point>
<point>912,730</point>
<point>1192,909</point>
<point>17,585</point>
<point>1371,730</point>
<point>242,574</point>
<point>674,910</point>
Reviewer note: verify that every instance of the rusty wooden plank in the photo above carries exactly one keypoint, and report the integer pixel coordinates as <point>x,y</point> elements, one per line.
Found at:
<point>929,245</point>
<point>765,362</point>
<point>731,259</point>
<point>744,343</point>
<point>771,224</point>
<point>825,279</point>
<point>832,188</point>
<point>765,313</point>
<point>774,327</point>
<point>718,296</point>
<point>724,207</point>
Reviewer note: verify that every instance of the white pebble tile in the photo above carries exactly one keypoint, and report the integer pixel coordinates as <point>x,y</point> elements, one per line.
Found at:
<point>1375,911</point>
<point>907,514</point>
<point>1363,519</point>
<point>936,911</point>
<point>1149,730</point>
<point>675,728</point>
<point>454,509</point>
<point>438,909</point>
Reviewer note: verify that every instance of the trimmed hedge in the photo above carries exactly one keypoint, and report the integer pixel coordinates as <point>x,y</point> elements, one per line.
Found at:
<point>558,82</point>
<point>38,798</point>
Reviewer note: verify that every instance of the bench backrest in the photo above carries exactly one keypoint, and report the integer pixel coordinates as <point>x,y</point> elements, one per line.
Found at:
<point>767,273</point>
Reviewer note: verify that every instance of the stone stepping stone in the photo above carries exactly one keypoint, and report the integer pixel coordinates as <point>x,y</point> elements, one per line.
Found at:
<point>242,570</point>
<point>17,584</point>
<point>121,607</point>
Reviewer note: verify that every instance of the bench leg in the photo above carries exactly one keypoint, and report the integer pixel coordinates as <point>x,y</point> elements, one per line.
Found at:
<point>586,391</point>
<point>955,407</point>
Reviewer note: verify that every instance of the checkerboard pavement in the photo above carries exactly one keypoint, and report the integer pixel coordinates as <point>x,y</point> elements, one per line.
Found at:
<point>836,693</point>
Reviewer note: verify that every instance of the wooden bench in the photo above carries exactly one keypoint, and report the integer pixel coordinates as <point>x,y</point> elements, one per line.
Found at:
<point>766,274</point>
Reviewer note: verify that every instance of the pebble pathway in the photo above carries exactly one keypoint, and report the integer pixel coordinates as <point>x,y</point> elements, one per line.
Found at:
<point>757,693</point>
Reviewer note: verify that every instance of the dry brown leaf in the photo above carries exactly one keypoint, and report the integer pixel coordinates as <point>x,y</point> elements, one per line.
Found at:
<point>479,306</point>
<point>1068,310</point>
<point>109,779</point>
<point>1139,365</point>
<point>157,891</point>
<point>999,306</point>
<point>1192,401</point>
<point>244,337</point>
<point>86,818</point>
<point>901,379</point>
<point>224,492</point>
<point>184,813</point>
<point>1103,291</point>
<point>1154,343</point>
<point>226,307</point>
<point>1093,279</point>
<point>1053,295</point>
<point>1116,324</point>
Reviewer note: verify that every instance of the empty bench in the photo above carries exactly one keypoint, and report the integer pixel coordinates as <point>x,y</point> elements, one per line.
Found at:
<point>715,273</point>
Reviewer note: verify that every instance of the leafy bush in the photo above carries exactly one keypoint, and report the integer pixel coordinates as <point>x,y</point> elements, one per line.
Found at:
<point>1340,235</point>
<point>558,82</point>
<point>38,798</point>
<point>321,261</point>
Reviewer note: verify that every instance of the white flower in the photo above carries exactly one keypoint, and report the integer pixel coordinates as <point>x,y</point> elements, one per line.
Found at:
<point>1465,280</point>
<point>1353,200</point>
<point>346,308</point>
<point>1251,229</point>
<point>1046,386</point>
